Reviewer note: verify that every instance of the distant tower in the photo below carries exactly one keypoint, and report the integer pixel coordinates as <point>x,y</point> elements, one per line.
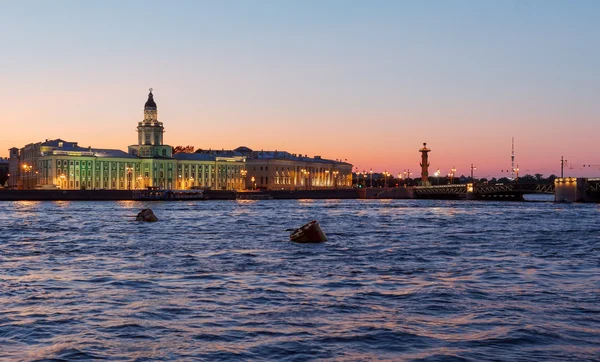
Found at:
<point>512,159</point>
<point>424,165</point>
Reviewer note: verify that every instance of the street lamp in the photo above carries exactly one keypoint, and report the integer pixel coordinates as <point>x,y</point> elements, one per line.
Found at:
<point>62,181</point>
<point>335,173</point>
<point>473,168</point>
<point>253,183</point>
<point>452,175</point>
<point>139,181</point>
<point>371,172</point>
<point>26,175</point>
<point>244,172</point>
<point>129,170</point>
<point>517,172</point>
<point>437,177</point>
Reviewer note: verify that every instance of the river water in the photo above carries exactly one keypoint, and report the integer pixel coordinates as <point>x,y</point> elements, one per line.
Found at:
<point>219,280</point>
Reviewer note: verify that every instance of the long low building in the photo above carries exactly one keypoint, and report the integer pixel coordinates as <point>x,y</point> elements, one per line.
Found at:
<point>280,170</point>
<point>151,163</point>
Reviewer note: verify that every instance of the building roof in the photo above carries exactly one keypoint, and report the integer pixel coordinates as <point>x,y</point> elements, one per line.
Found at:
<point>194,157</point>
<point>150,104</point>
<point>283,155</point>
<point>106,153</point>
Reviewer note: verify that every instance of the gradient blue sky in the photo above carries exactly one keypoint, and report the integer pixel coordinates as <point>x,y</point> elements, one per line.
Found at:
<point>366,81</point>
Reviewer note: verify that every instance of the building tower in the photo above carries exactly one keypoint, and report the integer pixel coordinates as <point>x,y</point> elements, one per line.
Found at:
<point>150,133</point>
<point>512,159</point>
<point>424,165</point>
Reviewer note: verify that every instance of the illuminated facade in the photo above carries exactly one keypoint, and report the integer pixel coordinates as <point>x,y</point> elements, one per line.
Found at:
<point>279,170</point>
<point>149,163</point>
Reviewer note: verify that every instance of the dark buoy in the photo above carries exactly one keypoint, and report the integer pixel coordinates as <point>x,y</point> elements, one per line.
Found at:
<point>309,233</point>
<point>146,215</point>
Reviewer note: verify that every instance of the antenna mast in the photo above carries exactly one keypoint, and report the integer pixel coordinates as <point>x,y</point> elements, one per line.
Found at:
<point>512,159</point>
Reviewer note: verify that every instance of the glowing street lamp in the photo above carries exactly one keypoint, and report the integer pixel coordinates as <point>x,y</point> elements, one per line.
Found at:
<point>253,183</point>
<point>129,171</point>
<point>244,173</point>
<point>335,173</point>
<point>371,172</point>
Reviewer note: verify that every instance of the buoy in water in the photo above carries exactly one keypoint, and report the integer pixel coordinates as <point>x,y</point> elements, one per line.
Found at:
<point>146,215</point>
<point>309,233</point>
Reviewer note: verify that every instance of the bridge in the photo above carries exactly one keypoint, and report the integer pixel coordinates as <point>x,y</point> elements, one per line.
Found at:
<point>564,189</point>
<point>482,191</point>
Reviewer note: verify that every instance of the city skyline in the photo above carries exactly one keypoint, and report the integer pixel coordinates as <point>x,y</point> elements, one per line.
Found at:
<point>363,82</point>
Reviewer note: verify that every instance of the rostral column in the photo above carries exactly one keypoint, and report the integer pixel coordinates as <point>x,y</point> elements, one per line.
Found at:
<point>424,165</point>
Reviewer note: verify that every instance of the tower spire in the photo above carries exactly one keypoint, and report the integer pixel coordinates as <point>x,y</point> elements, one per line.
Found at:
<point>150,104</point>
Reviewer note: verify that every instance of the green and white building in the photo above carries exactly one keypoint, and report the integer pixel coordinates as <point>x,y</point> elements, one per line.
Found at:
<point>149,163</point>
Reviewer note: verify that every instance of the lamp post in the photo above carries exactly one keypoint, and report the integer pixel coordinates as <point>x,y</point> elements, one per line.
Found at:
<point>473,168</point>
<point>253,183</point>
<point>327,181</point>
<point>129,170</point>
<point>517,173</point>
<point>371,172</point>
<point>437,177</point>
<point>62,181</point>
<point>26,175</point>
<point>452,175</point>
<point>244,173</point>
<point>139,182</point>
<point>335,173</point>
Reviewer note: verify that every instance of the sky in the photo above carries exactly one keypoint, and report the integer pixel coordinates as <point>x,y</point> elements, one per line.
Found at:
<point>362,81</point>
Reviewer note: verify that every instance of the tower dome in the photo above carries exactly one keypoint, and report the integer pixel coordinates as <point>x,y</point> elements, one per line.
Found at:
<point>150,104</point>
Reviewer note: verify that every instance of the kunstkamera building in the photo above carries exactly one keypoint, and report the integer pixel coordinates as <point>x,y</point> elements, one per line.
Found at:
<point>151,163</point>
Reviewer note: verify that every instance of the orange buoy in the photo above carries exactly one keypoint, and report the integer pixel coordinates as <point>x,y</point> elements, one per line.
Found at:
<point>146,215</point>
<point>309,233</point>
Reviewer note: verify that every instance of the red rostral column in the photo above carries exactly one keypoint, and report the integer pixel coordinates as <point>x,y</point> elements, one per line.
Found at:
<point>424,165</point>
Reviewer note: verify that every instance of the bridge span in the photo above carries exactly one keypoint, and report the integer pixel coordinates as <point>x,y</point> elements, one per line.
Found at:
<point>563,189</point>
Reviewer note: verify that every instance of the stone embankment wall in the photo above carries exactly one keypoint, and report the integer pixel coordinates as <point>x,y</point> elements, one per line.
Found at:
<point>65,195</point>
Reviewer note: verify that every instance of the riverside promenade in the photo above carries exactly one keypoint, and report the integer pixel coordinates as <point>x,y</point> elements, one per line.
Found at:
<point>124,195</point>
<point>564,190</point>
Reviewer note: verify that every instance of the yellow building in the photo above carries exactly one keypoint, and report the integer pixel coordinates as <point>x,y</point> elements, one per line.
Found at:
<point>280,170</point>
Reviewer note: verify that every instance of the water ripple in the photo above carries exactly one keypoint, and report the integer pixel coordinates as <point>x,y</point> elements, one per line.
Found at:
<point>420,280</point>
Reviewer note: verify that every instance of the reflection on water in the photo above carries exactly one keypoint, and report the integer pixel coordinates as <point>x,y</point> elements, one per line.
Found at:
<point>539,197</point>
<point>398,279</point>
